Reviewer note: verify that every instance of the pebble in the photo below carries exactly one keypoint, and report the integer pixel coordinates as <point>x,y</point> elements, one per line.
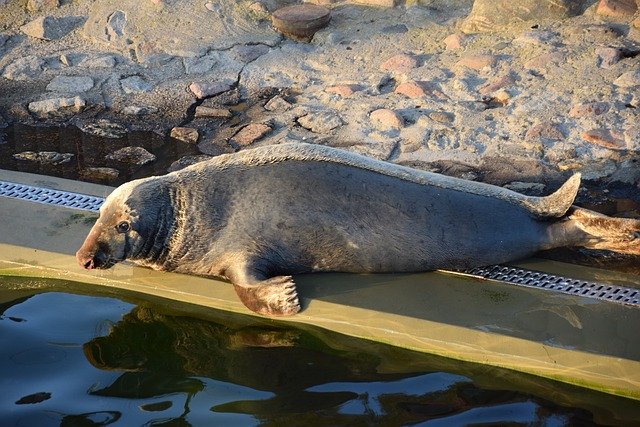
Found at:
<point>401,63</point>
<point>606,57</point>
<point>385,119</point>
<point>26,68</point>
<point>441,117</point>
<point>605,138</point>
<point>51,28</point>
<point>588,109</point>
<point>320,122</point>
<point>99,174</point>
<point>137,156</point>
<point>135,84</point>
<point>102,61</point>
<point>139,110</point>
<point>541,62</point>
<point>477,62</point>
<point>187,161</point>
<point>412,89</point>
<point>544,132</point>
<point>345,90</point>
<point>70,84</point>
<point>497,84</point>
<point>378,3</point>
<point>44,157</point>
<point>53,105</point>
<point>455,41</point>
<point>250,134</point>
<point>277,103</point>
<point>40,5</point>
<point>105,129</point>
<point>185,134</point>
<point>628,79</point>
<point>617,8</point>
<point>116,23</point>
<point>202,111</point>
<point>205,90</point>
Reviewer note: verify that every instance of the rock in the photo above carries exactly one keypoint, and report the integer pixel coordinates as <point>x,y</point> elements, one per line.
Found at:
<point>607,56</point>
<point>400,63</point>
<point>135,84</point>
<point>184,134</point>
<point>250,134</point>
<point>588,109</point>
<point>116,26</point>
<point>544,132</point>
<point>206,90</point>
<point>40,5</point>
<point>187,161</point>
<point>300,21</point>
<point>441,117</point>
<point>277,103</point>
<point>137,156</point>
<point>249,53</point>
<point>70,84</point>
<point>413,89</point>
<point>105,129</point>
<point>456,41</point>
<point>51,28</point>
<point>628,79</point>
<point>55,105</point>
<point>385,119</point>
<point>477,62</point>
<point>345,90</point>
<point>26,68</point>
<point>139,110</point>
<point>377,3</point>
<point>99,174</point>
<point>102,61</point>
<point>605,138</point>
<point>320,122</point>
<point>617,8</point>
<point>542,62</point>
<point>497,84</point>
<point>44,157</point>
<point>202,111</point>
<point>490,15</point>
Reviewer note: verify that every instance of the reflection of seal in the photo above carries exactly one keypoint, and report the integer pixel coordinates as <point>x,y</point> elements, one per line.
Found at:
<point>257,216</point>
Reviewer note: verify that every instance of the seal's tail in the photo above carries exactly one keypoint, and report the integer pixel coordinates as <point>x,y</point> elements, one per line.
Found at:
<point>597,231</point>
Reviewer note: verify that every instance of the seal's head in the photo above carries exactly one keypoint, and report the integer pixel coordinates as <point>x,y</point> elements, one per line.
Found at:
<point>128,225</point>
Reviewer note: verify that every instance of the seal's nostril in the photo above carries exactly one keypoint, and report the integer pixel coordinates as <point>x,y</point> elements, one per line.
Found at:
<point>89,264</point>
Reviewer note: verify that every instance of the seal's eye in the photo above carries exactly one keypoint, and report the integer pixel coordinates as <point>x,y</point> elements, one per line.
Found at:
<point>123,226</point>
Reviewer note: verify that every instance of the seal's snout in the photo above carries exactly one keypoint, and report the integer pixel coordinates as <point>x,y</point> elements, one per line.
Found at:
<point>85,260</point>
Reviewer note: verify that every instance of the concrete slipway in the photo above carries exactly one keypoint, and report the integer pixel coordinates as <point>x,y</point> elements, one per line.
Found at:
<point>569,338</point>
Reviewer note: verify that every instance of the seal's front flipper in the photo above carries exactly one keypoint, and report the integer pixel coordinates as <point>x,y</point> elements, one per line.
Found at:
<point>276,296</point>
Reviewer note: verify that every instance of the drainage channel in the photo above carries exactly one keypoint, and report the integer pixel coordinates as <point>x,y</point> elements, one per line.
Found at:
<point>501,273</point>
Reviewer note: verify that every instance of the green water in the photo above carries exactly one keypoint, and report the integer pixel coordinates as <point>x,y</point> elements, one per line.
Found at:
<point>76,359</point>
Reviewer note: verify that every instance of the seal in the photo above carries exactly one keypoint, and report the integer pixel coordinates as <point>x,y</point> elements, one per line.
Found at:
<point>258,216</point>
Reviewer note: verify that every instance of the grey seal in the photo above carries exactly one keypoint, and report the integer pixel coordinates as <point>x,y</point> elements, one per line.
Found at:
<point>258,216</point>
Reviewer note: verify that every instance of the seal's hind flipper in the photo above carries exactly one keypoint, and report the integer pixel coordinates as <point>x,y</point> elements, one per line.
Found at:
<point>276,296</point>
<point>604,232</point>
<point>556,204</point>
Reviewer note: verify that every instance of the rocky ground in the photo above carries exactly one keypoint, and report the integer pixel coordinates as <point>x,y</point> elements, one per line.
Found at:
<point>520,96</point>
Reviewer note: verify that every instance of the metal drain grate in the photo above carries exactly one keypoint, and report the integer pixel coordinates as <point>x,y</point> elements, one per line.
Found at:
<point>501,273</point>
<point>540,280</point>
<point>50,197</point>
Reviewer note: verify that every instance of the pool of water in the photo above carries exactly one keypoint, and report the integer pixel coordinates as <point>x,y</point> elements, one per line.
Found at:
<point>69,358</point>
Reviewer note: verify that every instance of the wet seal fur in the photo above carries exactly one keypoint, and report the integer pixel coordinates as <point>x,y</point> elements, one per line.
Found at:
<point>258,216</point>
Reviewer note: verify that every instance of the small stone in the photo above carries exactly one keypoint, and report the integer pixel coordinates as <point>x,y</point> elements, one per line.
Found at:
<point>605,138</point>
<point>44,157</point>
<point>103,61</point>
<point>401,63</point>
<point>206,90</point>
<point>50,28</point>
<point>411,89</point>
<point>477,62</point>
<point>344,91</point>
<point>223,113</point>
<point>542,62</point>
<point>455,41</point>
<point>628,79</point>
<point>617,8</point>
<point>70,84</point>
<point>139,110</point>
<point>137,156</point>
<point>105,129</point>
<point>116,26</point>
<point>135,84</point>
<point>184,134</point>
<point>544,132</point>
<point>588,109</point>
<point>385,119</point>
<point>40,5</point>
<point>441,117</point>
<point>70,59</point>
<point>320,122</point>
<point>300,21</point>
<point>99,174</point>
<point>26,68</point>
<point>496,84</point>
<point>53,105</point>
<point>378,3</point>
<point>250,134</point>
<point>607,56</point>
<point>277,103</point>
<point>187,161</point>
